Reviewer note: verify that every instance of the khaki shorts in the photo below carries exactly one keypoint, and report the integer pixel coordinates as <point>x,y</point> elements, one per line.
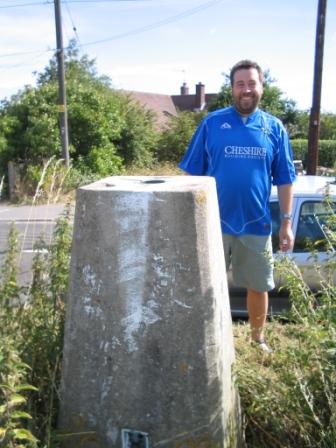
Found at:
<point>251,259</point>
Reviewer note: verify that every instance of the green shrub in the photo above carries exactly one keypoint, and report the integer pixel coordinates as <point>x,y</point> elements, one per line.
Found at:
<point>327,152</point>
<point>79,175</point>
<point>104,161</point>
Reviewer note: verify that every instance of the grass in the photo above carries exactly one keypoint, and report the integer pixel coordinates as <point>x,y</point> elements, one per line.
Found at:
<point>161,169</point>
<point>287,398</point>
<point>54,182</point>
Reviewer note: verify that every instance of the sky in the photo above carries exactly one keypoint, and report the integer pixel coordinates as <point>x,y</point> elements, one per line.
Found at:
<point>156,45</point>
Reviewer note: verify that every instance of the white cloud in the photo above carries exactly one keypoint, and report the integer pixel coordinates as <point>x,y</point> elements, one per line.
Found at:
<point>33,34</point>
<point>158,78</point>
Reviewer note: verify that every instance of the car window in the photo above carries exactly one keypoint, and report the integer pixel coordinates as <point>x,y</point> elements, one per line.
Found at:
<point>314,226</point>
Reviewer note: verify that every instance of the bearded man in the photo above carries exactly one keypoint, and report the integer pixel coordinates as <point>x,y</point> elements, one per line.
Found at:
<point>247,150</point>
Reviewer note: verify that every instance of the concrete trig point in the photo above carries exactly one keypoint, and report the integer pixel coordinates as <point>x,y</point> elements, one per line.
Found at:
<point>148,341</point>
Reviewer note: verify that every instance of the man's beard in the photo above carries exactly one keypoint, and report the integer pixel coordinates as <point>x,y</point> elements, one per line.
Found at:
<point>246,104</point>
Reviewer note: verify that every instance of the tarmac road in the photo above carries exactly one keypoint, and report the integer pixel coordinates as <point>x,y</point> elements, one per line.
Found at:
<point>32,223</point>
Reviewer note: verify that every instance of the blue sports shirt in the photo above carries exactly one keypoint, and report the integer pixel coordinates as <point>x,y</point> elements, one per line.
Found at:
<point>245,158</point>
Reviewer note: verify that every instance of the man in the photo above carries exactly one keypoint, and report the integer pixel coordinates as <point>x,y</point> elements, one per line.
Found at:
<point>246,150</point>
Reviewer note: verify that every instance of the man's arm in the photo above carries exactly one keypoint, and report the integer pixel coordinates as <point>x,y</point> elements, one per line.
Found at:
<point>286,238</point>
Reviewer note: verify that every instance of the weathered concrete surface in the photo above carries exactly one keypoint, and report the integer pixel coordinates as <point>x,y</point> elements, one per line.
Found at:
<point>148,341</point>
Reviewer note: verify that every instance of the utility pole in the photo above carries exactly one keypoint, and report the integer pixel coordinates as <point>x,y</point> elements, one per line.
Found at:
<point>62,106</point>
<point>314,120</point>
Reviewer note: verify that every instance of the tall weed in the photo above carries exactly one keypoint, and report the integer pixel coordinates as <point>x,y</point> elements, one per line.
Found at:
<point>32,322</point>
<point>289,398</point>
<point>13,370</point>
<point>41,183</point>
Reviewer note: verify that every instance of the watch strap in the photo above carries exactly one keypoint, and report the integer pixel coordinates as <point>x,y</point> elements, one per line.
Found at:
<point>286,216</point>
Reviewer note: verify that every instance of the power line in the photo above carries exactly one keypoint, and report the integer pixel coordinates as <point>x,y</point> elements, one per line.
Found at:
<point>143,29</point>
<point>105,1</point>
<point>74,28</point>
<point>22,64</point>
<point>25,4</point>
<point>50,2</point>
<point>23,53</point>
<point>154,25</point>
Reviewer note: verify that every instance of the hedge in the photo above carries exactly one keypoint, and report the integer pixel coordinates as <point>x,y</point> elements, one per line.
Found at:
<point>327,152</point>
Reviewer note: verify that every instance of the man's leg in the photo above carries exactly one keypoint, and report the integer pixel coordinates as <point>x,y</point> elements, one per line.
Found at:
<point>257,306</point>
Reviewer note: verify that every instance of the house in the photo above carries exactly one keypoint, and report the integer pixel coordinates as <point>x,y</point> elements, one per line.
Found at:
<point>167,106</point>
<point>197,102</point>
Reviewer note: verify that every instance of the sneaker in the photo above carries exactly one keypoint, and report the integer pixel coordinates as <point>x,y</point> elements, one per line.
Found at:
<point>261,344</point>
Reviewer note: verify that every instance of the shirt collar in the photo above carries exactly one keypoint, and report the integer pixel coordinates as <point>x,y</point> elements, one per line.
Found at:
<point>249,117</point>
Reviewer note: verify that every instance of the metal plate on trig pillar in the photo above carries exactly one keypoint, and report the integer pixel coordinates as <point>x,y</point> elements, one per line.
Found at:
<point>134,439</point>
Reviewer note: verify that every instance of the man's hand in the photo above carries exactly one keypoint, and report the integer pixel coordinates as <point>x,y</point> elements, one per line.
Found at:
<point>286,237</point>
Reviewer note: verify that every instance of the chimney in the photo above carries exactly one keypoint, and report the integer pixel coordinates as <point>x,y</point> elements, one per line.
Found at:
<point>184,89</point>
<point>200,96</point>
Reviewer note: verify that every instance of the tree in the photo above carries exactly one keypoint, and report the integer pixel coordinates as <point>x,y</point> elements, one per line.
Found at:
<point>31,125</point>
<point>100,119</point>
<point>174,140</point>
<point>328,126</point>
<point>138,138</point>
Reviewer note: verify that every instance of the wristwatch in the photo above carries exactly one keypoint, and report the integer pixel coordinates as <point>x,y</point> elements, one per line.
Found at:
<point>286,216</point>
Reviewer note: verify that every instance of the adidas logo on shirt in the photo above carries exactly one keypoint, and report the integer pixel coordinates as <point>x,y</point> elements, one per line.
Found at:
<point>226,125</point>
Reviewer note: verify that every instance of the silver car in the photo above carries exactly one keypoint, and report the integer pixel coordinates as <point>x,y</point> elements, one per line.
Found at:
<point>310,216</point>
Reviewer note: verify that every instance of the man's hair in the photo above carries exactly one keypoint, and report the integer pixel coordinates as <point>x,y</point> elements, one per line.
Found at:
<point>245,64</point>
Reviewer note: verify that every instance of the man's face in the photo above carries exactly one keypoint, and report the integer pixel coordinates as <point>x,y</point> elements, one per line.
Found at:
<point>246,90</point>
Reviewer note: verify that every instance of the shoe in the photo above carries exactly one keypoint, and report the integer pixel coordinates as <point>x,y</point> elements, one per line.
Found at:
<point>261,344</point>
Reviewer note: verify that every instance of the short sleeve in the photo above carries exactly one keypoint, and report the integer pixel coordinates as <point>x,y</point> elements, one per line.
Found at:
<point>195,160</point>
<point>283,169</point>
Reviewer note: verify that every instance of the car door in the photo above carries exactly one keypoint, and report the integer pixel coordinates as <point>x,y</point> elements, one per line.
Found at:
<point>302,206</point>
<point>313,242</point>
